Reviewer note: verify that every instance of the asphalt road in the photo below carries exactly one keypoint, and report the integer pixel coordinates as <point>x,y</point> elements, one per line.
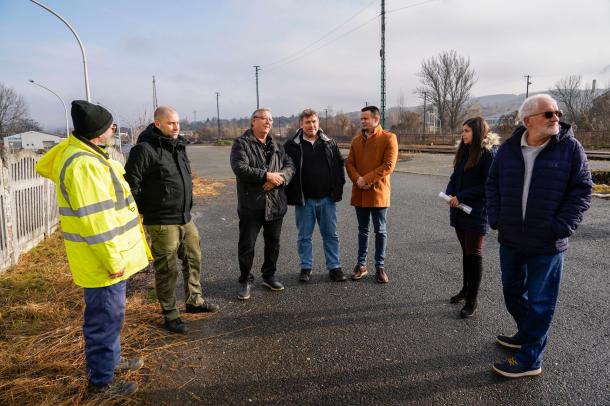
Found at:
<point>365,343</point>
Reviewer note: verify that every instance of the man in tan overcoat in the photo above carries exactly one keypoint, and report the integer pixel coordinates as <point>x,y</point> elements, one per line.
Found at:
<point>372,158</point>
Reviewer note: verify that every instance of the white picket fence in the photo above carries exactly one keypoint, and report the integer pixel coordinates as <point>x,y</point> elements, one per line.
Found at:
<point>28,205</point>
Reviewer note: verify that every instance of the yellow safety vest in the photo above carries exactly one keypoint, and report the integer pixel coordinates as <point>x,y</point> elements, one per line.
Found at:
<point>98,216</point>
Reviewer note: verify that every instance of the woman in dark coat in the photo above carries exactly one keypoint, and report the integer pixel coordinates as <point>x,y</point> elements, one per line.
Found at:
<point>467,185</point>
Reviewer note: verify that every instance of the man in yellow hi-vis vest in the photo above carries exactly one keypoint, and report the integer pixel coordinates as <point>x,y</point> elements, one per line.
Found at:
<point>104,239</point>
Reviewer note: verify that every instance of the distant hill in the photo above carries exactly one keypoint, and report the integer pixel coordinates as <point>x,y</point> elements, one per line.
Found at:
<point>493,105</point>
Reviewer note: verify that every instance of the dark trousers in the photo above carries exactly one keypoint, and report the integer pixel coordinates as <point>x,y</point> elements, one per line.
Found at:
<point>471,242</point>
<point>104,315</point>
<point>249,226</point>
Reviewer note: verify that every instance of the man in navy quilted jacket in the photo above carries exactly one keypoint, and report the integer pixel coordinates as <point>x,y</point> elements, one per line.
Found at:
<point>539,187</point>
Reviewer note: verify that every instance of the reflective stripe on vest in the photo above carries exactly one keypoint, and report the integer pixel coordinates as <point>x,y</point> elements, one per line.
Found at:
<point>105,236</point>
<point>95,207</point>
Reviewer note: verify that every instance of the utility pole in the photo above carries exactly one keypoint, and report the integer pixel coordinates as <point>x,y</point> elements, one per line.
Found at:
<point>325,120</point>
<point>218,114</point>
<point>155,104</point>
<point>527,86</point>
<point>425,97</point>
<point>382,55</point>
<point>366,103</point>
<point>256,69</point>
<point>194,116</point>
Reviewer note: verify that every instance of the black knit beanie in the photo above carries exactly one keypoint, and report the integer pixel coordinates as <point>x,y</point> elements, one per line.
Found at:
<point>90,120</point>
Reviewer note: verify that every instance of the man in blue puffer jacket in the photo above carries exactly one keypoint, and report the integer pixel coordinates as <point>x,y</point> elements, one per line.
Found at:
<point>538,188</point>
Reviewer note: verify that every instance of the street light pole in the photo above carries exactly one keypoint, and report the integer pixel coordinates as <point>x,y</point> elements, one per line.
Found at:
<point>62,102</point>
<point>82,48</point>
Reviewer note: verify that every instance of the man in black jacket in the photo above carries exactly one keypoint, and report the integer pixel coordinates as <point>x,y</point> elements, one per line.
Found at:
<point>159,173</point>
<point>314,191</point>
<point>262,170</point>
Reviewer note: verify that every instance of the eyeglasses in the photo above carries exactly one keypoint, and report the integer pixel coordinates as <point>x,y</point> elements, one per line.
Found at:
<point>267,119</point>
<point>549,114</point>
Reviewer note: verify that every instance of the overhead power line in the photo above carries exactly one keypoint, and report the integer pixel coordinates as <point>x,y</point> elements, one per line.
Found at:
<point>296,58</point>
<point>300,55</point>
<point>410,6</point>
<point>321,38</point>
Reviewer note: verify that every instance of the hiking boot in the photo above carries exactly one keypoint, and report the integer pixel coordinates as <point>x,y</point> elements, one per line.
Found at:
<point>244,291</point>
<point>509,342</point>
<point>273,284</point>
<point>337,275</point>
<point>175,326</point>
<point>204,308</point>
<point>114,389</point>
<point>381,276</point>
<point>359,272</point>
<point>129,364</point>
<point>511,368</point>
<point>305,275</point>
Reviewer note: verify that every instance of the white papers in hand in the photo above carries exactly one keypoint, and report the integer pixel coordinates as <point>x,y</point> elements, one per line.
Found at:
<point>466,209</point>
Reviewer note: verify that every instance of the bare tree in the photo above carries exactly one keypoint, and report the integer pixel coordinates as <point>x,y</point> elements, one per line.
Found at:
<point>139,124</point>
<point>13,111</point>
<point>447,80</point>
<point>472,110</point>
<point>576,100</point>
<point>600,110</point>
<point>507,123</point>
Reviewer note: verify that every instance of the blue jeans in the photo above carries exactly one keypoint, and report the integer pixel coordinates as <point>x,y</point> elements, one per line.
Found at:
<point>104,315</point>
<point>324,212</point>
<point>364,215</point>
<point>531,286</point>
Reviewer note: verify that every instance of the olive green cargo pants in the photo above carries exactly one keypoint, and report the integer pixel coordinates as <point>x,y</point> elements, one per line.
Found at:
<point>170,242</point>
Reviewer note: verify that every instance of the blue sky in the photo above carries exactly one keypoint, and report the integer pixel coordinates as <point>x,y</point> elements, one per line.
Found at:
<point>196,48</point>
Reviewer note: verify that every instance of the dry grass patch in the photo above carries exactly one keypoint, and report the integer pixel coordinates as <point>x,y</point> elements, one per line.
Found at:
<point>203,187</point>
<point>603,189</point>
<point>41,343</point>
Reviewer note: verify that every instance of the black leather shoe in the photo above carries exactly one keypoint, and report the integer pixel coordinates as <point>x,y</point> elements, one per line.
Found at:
<point>244,291</point>
<point>337,275</point>
<point>273,284</point>
<point>175,326</point>
<point>461,296</point>
<point>204,308</point>
<point>468,310</point>
<point>305,275</point>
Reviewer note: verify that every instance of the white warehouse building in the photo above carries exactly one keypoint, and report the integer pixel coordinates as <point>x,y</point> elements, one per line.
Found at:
<point>31,140</point>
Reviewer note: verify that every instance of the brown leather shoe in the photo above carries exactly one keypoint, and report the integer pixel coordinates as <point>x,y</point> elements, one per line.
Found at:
<point>359,272</point>
<point>382,277</point>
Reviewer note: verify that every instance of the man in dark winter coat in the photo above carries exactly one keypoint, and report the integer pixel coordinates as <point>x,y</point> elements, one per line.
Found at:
<point>539,187</point>
<point>159,173</point>
<point>262,170</point>
<point>314,190</point>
